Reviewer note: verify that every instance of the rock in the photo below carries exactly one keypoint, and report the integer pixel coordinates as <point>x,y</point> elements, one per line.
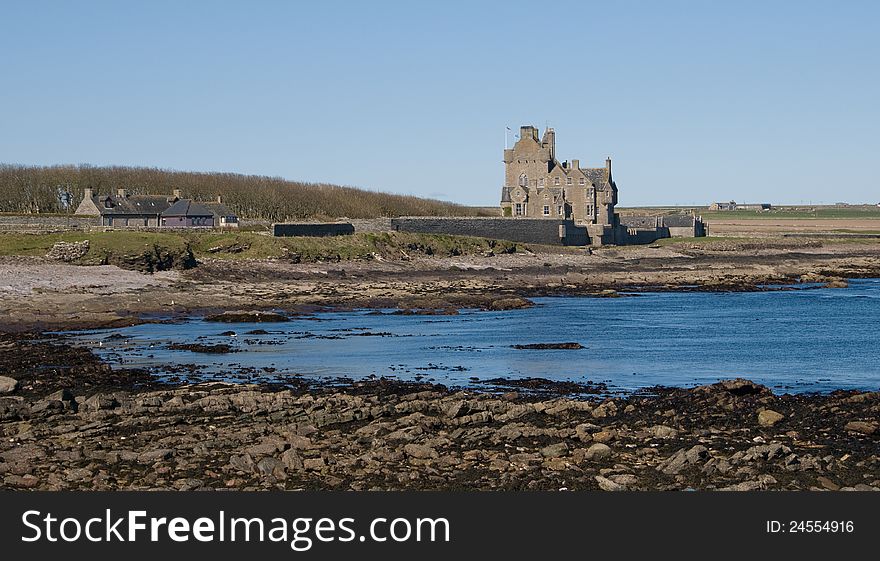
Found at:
<point>8,385</point>
<point>827,483</point>
<point>100,401</point>
<point>514,303</point>
<point>264,449</point>
<point>556,464</point>
<point>662,431</point>
<point>555,450</point>
<point>604,436</point>
<point>598,451</point>
<point>738,387</point>
<point>271,466</point>
<point>548,346</point>
<point>768,417</point>
<point>292,460</point>
<point>607,409</point>
<point>697,454</point>
<point>607,485</point>
<point>68,251</point>
<point>863,427</point>
<point>248,317</point>
<point>837,283</point>
<point>582,431</point>
<point>682,459</point>
<point>62,395</point>
<point>625,479</point>
<point>154,456</point>
<point>420,451</point>
<point>314,464</point>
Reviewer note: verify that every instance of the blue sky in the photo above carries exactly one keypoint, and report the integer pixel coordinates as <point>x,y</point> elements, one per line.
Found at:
<point>694,101</point>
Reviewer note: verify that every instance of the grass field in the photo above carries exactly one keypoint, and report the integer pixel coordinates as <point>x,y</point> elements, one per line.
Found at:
<point>249,245</point>
<point>780,213</point>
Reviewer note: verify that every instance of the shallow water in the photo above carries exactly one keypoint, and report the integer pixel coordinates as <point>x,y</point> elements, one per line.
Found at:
<point>793,341</point>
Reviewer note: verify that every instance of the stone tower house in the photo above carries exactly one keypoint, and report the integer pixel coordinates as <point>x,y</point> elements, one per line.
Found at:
<point>537,185</point>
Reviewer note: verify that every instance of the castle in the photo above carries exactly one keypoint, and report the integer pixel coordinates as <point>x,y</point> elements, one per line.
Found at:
<point>537,185</point>
<point>547,202</point>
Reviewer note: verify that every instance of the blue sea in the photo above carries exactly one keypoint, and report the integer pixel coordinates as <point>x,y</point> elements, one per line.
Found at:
<point>804,340</point>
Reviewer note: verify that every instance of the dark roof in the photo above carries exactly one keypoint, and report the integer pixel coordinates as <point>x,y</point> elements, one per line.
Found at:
<point>639,221</point>
<point>187,207</point>
<point>505,194</point>
<point>678,220</point>
<point>219,209</point>
<point>151,205</point>
<point>670,221</point>
<point>598,176</point>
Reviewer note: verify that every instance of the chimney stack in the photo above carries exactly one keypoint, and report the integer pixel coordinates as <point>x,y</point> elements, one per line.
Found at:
<point>87,193</point>
<point>575,164</point>
<point>220,199</point>
<point>121,193</point>
<point>176,194</point>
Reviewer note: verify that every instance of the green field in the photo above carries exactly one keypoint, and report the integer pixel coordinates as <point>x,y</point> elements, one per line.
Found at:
<point>249,245</point>
<point>780,213</point>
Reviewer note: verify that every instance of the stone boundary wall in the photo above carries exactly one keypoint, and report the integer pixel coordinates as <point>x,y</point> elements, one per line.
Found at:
<point>524,230</point>
<point>314,229</point>
<point>42,222</point>
<point>638,236</point>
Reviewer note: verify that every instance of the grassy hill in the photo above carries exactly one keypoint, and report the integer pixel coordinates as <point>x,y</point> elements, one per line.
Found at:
<point>33,189</point>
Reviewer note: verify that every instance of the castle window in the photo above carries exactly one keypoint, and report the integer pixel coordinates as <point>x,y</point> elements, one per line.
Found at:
<point>568,181</point>
<point>555,181</point>
<point>541,182</point>
<point>546,210</point>
<point>519,209</point>
<point>559,210</point>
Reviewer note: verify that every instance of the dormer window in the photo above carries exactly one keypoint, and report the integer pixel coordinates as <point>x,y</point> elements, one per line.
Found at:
<point>583,181</point>
<point>541,182</point>
<point>555,181</point>
<point>568,181</point>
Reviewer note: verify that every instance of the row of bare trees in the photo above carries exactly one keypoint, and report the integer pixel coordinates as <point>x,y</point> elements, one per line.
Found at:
<point>34,189</point>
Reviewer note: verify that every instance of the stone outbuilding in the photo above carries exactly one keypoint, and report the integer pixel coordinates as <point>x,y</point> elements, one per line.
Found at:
<point>124,210</point>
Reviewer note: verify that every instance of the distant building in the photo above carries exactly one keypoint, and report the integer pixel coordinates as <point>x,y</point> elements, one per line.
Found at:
<point>730,205</point>
<point>186,213</point>
<point>154,211</point>
<point>223,217</point>
<point>548,201</point>
<point>756,206</point>
<point>537,185</point>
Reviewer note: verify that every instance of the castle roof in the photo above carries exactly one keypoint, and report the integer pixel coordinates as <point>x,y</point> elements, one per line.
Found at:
<point>597,176</point>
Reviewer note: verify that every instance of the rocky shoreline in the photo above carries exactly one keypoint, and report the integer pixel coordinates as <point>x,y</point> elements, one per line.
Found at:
<point>69,422</point>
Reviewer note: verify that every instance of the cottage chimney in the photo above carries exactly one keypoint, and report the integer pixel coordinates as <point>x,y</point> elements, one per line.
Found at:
<point>121,193</point>
<point>176,194</point>
<point>87,193</point>
<point>575,164</point>
<point>608,165</point>
<point>220,199</point>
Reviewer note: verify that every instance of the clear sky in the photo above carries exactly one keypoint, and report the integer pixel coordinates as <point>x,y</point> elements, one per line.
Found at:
<point>695,101</point>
